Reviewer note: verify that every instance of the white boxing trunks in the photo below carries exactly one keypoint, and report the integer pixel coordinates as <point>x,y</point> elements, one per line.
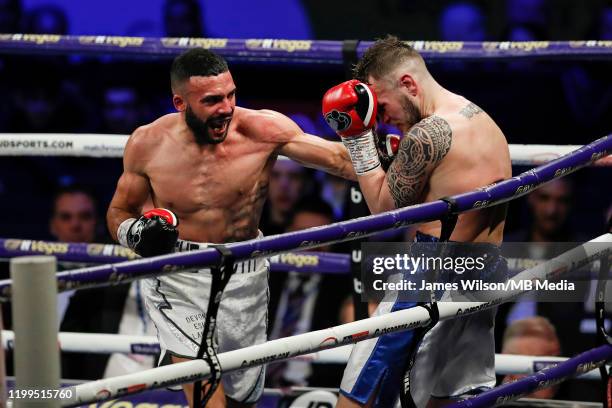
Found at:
<point>454,359</point>
<point>177,305</point>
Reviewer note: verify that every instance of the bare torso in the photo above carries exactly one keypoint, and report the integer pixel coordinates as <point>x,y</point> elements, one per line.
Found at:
<point>478,156</point>
<point>217,191</point>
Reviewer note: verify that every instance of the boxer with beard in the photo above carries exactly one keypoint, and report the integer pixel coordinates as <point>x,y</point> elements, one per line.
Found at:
<point>206,170</point>
<point>450,146</point>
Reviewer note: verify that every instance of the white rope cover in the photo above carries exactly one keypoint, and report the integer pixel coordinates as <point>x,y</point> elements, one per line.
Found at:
<point>102,343</point>
<point>101,145</point>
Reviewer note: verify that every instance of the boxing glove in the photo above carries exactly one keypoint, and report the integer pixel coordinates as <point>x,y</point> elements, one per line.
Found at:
<point>350,110</point>
<point>387,146</point>
<point>154,233</point>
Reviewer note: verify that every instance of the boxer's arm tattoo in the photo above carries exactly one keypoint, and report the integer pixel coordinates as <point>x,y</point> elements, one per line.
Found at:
<point>470,110</point>
<point>420,151</point>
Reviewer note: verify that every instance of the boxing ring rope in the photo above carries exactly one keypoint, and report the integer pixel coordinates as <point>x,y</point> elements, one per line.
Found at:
<point>287,347</point>
<point>77,254</point>
<point>104,343</point>
<point>588,360</point>
<point>338,232</point>
<point>111,146</point>
<point>295,52</point>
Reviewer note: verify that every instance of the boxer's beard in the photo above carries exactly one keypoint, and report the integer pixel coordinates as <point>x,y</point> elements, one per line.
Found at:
<point>412,113</point>
<point>202,129</point>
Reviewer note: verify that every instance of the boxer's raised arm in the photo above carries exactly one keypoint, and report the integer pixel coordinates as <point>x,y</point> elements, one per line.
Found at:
<point>308,150</point>
<point>420,152</point>
<point>133,189</point>
<point>316,152</point>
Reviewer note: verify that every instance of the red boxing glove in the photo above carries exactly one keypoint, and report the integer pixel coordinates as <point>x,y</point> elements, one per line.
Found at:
<point>350,110</point>
<point>388,146</point>
<point>392,143</point>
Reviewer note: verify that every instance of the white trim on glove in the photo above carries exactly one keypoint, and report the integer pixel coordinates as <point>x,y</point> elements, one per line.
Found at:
<point>122,231</point>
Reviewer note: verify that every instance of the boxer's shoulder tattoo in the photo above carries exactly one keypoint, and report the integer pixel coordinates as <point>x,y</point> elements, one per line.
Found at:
<point>470,110</point>
<point>420,151</point>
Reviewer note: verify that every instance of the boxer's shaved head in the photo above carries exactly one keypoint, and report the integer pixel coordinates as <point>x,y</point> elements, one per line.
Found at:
<point>195,62</point>
<point>386,56</point>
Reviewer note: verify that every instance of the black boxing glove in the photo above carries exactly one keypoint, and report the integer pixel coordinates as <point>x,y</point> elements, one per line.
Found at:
<point>387,147</point>
<point>154,233</point>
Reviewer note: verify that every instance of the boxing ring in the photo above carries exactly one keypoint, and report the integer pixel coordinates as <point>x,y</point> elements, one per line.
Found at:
<point>558,161</point>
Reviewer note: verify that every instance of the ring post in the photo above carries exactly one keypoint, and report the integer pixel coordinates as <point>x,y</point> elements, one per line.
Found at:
<point>37,364</point>
<point>2,366</point>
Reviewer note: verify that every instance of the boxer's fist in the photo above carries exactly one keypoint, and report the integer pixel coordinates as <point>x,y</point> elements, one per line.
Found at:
<point>350,110</point>
<point>154,233</point>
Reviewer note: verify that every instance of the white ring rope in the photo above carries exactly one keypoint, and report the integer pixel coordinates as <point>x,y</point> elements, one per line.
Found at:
<point>103,343</point>
<point>287,347</point>
<point>97,343</point>
<point>101,145</point>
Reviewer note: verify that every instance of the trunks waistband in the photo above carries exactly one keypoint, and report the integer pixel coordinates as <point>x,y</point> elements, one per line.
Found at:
<point>246,266</point>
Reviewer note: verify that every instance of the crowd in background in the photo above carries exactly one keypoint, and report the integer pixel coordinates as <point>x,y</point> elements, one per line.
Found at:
<point>540,102</point>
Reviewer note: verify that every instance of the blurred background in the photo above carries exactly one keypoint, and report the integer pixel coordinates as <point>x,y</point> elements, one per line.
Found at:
<point>543,102</point>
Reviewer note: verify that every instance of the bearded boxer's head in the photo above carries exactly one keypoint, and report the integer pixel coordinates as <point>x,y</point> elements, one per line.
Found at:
<point>205,92</point>
<point>398,75</point>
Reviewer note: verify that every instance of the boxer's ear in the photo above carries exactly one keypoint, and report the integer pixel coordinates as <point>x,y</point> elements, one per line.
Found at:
<point>407,81</point>
<point>179,103</point>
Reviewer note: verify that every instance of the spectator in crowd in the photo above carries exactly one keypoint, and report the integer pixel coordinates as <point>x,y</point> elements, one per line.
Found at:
<point>301,302</point>
<point>334,192</point>
<point>73,219</point>
<point>550,207</point>
<point>183,18</point>
<point>533,336</point>
<point>46,19</point>
<point>462,21</point>
<point>74,216</point>
<point>333,189</point>
<point>287,186</point>
<point>101,310</point>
